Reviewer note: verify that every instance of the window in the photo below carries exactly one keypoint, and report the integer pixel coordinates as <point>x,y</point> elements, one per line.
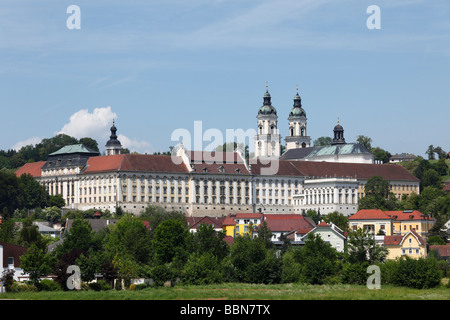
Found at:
<point>10,261</point>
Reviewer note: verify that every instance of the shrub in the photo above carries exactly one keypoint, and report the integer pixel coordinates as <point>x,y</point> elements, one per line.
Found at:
<point>418,274</point>
<point>202,269</point>
<point>48,285</point>
<point>161,274</point>
<point>354,273</point>
<point>140,286</point>
<point>100,285</point>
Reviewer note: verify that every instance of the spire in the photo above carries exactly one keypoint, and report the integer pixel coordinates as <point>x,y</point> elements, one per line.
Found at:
<point>267,101</point>
<point>113,146</point>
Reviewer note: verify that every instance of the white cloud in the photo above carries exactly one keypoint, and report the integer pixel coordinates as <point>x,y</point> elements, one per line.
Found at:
<point>30,141</point>
<point>96,125</point>
<point>135,145</point>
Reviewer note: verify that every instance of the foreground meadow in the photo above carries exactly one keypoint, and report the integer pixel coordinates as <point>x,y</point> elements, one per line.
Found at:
<point>237,291</point>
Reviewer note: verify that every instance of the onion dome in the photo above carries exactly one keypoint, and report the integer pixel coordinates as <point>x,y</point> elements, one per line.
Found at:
<point>297,111</point>
<point>267,108</point>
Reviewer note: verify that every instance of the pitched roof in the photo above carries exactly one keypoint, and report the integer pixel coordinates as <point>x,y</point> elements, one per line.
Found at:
<point>194,222</point>
<point>287,222</point>
<point>408,215</point>
<point>397,240</point>
<point>443,250</point>
<point>217,162</point>
<point>274,167</point>
<point>33,168</point>
<point>356,170</point>
<point>370,214</point>
<point>75,148</point>
<point>135,162</point>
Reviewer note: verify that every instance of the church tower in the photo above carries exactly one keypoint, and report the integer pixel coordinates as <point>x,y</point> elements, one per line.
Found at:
<point>297,137</point>
<point>113,146</point>
<point>267,139</point>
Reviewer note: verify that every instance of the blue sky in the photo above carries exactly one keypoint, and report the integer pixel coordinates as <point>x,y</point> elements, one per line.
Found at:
<point>158,66</point>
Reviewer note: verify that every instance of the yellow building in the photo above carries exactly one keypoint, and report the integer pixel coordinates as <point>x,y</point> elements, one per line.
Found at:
<point>241,223</point>
<point>375,221</point>
<point>409,244</point>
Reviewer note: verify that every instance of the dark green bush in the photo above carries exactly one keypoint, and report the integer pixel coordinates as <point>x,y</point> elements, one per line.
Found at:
<point>48,285</point>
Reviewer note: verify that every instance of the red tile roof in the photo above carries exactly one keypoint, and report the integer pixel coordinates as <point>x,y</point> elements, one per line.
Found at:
<point>194,222</point>
<point>370,214</point>
<point>397,240</point>
<point>33,168</point>
<point>443,250</point>
<point>135,162</point>
<point>355,170</point>
<point>407,215</point>
<point>287,222</point>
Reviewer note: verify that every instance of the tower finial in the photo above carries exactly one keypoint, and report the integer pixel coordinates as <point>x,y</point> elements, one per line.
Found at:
<point>297,88</point>
<point>338,120</point>
<point>267,86</point>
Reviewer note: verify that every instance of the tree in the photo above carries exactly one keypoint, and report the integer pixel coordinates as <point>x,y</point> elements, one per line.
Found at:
<point>90,143</point>
<point>129,238</point>
<point>265,235</point>
<point>80,237</point>
<point>33,194</point>
<point>430,152</point>
<point>430,178</point>
<point>322,141</point>
<point>317,260</point>
<point>170,241</point>
<point>361,247</point>
<point>156,214</point>
<point>338,219</point>
<point>29,235</point>
<point>365,141</point>
<point>36,263</point>
<point>378,195</point>
<point>207,240</point>
<point>252,262</point>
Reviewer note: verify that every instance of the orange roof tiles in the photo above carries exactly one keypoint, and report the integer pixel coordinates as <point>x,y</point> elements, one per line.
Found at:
<point>135,162</point>
<point>370,214</point>
<point>33,168</point>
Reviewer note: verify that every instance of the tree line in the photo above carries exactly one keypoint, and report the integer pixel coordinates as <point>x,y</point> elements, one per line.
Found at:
<point>169,254</point>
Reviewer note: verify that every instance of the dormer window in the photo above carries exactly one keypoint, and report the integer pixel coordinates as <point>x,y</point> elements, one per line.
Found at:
<point>221,169</point>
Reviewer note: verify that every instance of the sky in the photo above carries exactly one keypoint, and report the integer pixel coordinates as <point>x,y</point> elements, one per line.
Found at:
<point>201,67</point>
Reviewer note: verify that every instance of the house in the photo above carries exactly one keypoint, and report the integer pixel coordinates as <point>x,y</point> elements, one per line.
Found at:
<point>195,222</point>
<point>10,258</point>
<point>410,244</point>
<point>389,223</point>
<point>329,233</point>
<point>286,225</point>
<point>47,231</point>
<point>241,223</point>
<point>442,250</point>
<point>402,157</point>
<point>375,221</point>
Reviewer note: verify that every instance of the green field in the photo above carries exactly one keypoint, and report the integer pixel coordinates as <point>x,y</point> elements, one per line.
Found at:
<point>236,291</point>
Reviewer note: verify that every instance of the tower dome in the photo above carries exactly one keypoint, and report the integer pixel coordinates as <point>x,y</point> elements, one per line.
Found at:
<point>297,110</point>
<point>113,146</point>
<point>267,108</point>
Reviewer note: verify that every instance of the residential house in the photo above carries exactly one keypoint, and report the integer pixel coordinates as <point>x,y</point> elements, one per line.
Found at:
<point>329,233</point>
<point>195,222</point>
<point>389,223</point>
<point>286,225</point>
<point>410,244</point>
<point>10,258</point>
<point>374,221</point>
<point>241,223</point>
<point>442,250</point>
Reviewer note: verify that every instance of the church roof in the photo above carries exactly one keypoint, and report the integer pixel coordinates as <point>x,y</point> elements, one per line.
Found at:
<point>321,151</point>
<point>75,148</point>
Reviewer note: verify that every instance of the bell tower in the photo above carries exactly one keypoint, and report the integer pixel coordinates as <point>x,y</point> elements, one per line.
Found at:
<point>267,139</point>
<point>297,136</point>
<point>113,146</point>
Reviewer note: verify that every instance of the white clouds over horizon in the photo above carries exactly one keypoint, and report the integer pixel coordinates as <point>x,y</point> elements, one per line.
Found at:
<point>95,125</point>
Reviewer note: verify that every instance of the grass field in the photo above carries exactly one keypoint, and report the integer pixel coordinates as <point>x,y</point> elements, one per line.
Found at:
<point>234,291</point>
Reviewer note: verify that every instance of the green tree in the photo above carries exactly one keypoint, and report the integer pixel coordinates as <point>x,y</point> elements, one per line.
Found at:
<point>318,260</point>
<point>80,236</point>
<point>129,238</point>
<point>90,143</point>
<point>206,239</point>
<point>365,141</point>
<point>338,219</point>
<point>156,214</point>
<point>29,235</point>
<point>33,194</point>
<point>170,241</point>
<point>361,247</point>
<point>36,263</point>
<point>322,141</point>
<point>430,152</point>
<point>430,178</point>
